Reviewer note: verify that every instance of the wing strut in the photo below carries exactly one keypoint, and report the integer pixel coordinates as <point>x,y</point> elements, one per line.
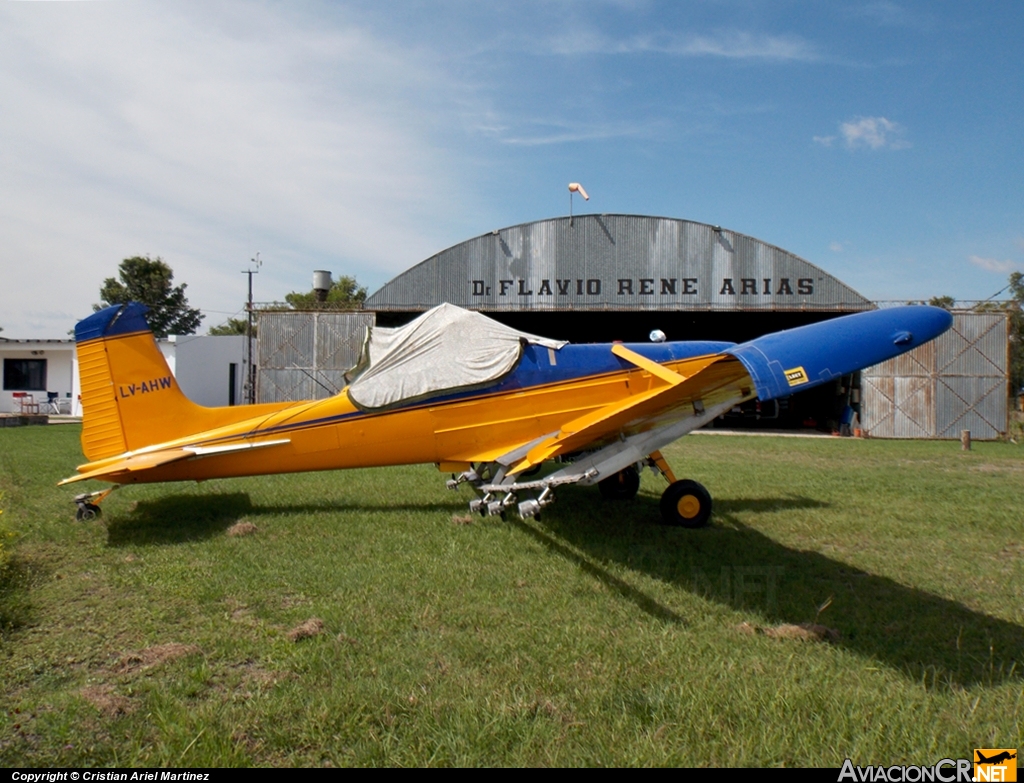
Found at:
<point>662,465</point>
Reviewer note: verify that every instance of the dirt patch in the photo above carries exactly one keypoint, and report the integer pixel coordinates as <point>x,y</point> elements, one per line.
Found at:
<point>252,744</point>
<point>1011,551</point>
<point>462,519</point>
<point>804,631</point>
<point>106,701</point>
<point>314,626</point>
<point>243,615</point>
<point>989,467</point>
<point>154,656</point>
<point>255,675</point>
<point>242,529</point>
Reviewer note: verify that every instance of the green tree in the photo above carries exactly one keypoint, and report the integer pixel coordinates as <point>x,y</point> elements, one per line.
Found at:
<point>945,302</point>
<point>1016,309</point>
<point>232,326</point>
<point>345,294</point>
<point>148,281</point>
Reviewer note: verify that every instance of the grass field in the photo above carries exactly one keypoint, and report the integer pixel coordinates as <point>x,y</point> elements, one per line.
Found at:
<point>593,637</point>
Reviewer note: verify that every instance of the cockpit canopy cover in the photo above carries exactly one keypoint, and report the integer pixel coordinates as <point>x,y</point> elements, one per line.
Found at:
<point>447,349</point>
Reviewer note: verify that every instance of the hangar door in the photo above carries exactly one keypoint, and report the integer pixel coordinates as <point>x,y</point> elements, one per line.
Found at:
<point>304,355</point>
<point>959,381</point>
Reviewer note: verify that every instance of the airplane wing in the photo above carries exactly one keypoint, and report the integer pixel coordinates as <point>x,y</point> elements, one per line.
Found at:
<point>706,380</point>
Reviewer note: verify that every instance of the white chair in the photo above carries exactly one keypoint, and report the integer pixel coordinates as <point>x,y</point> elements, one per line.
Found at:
<point>26,401</point>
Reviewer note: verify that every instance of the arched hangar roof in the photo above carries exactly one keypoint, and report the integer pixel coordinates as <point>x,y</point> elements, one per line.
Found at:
<point>617,263</point>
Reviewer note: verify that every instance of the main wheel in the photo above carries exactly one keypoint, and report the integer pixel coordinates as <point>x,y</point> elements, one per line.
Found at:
<point>87,512</point>
<point>686,503</point>
<point>622,486</point>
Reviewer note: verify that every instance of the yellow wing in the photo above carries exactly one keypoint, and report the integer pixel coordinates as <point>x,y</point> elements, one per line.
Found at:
<point>710,380</point>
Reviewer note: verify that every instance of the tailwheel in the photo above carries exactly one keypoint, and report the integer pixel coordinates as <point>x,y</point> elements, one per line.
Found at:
<point>622,486</point>
<point>87,512</point>
<point>88,504</point>
<point>686,503</point>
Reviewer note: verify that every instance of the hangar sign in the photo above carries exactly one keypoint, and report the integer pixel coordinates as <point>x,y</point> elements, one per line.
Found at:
<point>644,286</point>
<point>617,262</point>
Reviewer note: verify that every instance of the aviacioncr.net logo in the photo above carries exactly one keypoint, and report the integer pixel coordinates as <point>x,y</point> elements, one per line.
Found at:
<point>943,771</point>
<point>995,765</point>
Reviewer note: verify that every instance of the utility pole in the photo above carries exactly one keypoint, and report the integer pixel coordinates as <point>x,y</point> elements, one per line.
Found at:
<point>250,365</point>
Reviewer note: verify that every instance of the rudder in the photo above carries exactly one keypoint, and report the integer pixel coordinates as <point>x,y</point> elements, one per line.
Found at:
<point>130,398</point>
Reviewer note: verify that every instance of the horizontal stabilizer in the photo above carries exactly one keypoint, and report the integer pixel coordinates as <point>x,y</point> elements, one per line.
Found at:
<point>111,470</point>
<point>209,451</point>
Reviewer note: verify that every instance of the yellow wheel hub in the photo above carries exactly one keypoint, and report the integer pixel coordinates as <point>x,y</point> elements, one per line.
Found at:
<point>688,506</point>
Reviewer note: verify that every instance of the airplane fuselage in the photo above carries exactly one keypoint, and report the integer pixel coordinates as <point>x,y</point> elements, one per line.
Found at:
<point>546,389</point>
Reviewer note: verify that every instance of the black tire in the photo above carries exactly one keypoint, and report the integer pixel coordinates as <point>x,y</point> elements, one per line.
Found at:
<point>622,486</point>
<point>686,504</point>
<point>87,512</point>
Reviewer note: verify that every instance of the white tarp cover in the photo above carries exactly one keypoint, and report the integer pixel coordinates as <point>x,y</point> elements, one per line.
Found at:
<point>445,349</point>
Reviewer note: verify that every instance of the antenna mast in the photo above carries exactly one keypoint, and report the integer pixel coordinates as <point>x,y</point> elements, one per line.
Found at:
<point>250,365</point>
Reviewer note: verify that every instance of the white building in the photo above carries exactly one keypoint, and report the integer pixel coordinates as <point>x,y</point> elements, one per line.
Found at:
<point>41,369</point>
<point>209,370</point>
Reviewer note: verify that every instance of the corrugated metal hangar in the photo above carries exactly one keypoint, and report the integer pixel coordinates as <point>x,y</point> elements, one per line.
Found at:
<point>562,277</point>
<point>958,382</point>
<point>598,278</point>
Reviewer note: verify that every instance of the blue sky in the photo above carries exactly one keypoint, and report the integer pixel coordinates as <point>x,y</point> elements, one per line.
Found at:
<point>879,140</point>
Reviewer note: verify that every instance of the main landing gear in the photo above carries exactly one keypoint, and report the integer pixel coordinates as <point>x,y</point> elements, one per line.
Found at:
<point>685,503</point>
<point>622,486</point>
<point>88,504</point>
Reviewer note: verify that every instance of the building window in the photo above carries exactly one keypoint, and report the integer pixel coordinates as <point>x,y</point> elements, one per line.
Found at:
<point>24,374</point>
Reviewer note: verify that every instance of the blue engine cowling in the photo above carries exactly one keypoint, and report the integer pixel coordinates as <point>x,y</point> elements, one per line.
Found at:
<point>787,362</point>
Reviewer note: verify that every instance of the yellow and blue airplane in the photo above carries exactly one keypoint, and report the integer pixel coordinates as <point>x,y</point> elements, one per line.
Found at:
<point>592,413</point>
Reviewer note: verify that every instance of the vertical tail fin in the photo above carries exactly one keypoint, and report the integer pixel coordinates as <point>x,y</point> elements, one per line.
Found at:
<point>130,399</point>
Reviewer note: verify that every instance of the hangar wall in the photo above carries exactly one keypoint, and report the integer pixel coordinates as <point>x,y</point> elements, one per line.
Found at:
<point>566,277</point>
<point>304,355</point>
<point>617,263</point>
<point>959,381</point>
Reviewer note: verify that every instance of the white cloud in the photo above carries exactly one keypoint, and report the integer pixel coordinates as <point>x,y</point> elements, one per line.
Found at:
<point>887,14</point>
<point>873,132</point>
<point>824,141</point>
<point>835,247</point>
<point>992,264</point>
<point>552,132</point>
<point>736,44</point>
<point>731,44</point>
<point>203,135</point>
